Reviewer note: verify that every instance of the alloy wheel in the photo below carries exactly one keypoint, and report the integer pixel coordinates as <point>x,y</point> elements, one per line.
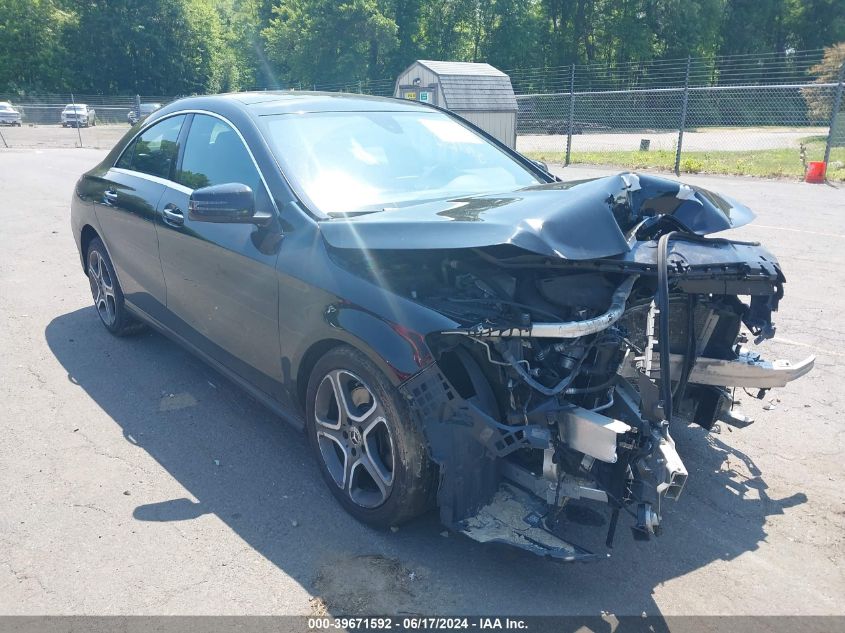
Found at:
<point>354,438</point>
<point>102,287</point>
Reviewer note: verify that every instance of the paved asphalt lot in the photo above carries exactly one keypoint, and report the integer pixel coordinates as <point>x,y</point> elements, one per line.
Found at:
<point>135,480</point>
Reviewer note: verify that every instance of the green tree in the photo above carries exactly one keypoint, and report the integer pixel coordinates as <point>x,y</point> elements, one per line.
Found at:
<point>149,47</point>
<point>679,28</point>
<point>30,48</point>
<point>193,46</point>
<point>517,36</point>
<point>820,102</point>
<point>328,41</point>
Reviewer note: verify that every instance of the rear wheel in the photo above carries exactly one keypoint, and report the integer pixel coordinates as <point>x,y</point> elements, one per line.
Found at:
<point>371,454</point>
<point>106,291</point>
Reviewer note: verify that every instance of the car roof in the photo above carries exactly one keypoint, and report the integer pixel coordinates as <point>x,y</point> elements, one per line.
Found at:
<point>296,101</point>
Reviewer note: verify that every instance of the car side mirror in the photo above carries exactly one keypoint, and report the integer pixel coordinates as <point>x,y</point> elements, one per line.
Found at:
<point>231,202</point>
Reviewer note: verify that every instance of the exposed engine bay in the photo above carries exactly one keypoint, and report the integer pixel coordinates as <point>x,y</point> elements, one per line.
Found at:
<point>563,377</point>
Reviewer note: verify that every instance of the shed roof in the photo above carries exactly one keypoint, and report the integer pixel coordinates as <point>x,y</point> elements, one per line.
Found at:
<point>460,68</point>
<point>472,86</point>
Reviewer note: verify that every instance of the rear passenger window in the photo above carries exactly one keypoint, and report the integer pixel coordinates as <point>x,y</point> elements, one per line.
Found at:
<point>215,155</point>
<point>154,151</point>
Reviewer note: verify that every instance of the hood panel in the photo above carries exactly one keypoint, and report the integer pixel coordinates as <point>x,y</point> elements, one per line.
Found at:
<point>573,220</point>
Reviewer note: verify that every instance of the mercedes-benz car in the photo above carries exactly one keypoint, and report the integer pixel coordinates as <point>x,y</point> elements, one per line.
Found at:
<point>450,324</point>
<point>78,115</point>
<point>8,114</point>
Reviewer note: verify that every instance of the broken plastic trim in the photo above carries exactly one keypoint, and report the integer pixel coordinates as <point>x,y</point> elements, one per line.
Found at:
<point>515,517</point>
<point>565,329</point>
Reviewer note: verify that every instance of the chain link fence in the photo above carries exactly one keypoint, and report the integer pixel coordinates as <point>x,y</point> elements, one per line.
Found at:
<point>765,115</point>
<point>755,115</point>
<point>42,126</point>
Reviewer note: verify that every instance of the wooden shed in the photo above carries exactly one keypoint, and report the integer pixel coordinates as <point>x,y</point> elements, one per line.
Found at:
<point>481,94</point>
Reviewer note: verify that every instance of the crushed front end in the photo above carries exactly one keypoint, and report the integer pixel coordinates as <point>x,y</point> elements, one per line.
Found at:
<point>564,376</point>
<point>582,407</point>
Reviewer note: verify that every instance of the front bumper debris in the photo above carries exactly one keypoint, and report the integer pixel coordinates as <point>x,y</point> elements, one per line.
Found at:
<point>515,517</point>
<point>748,370</point>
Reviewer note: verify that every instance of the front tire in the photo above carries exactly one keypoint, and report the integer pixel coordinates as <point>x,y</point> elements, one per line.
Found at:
<point>106,291</point>
<point>372,456</point>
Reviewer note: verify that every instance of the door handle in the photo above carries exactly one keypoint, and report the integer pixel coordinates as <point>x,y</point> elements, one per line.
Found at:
<point>110,196</point>
<point>173,215</point>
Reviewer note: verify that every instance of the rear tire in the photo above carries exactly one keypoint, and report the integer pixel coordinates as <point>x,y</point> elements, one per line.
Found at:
<point>106,291</point>
<point>372,456</point>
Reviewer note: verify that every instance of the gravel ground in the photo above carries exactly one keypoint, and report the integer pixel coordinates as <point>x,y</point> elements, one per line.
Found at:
<point>720,139</point>
<point>56,136</point>
<point>136,480</point>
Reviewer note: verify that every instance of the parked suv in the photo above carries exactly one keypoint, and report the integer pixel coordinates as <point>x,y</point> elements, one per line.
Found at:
<point>133,116</point>
<point>76,115</point>
<point>8,115</point>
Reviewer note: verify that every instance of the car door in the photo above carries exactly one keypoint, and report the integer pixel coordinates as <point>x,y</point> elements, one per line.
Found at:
<point>222,287</point>
<point>126,198</point>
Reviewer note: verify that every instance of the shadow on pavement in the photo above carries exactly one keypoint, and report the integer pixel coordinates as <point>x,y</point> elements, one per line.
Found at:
<point>254,472</point>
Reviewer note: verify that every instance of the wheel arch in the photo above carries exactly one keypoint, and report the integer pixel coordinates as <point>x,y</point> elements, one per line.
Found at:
<point>87,235</point>
<point>310,358</point>
<point>387,348</point>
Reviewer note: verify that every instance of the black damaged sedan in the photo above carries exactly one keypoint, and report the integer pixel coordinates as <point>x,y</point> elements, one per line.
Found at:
<point>451,324</point>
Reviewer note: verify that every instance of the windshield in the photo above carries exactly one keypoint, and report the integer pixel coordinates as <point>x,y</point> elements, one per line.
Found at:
<point>5,107</point>
<point>356,162</point>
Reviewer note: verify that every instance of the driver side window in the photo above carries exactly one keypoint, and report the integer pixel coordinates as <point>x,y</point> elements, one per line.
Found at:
<point>215,155</point>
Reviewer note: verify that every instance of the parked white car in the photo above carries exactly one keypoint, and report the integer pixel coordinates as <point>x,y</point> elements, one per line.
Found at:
<point>78,115</point>
<point>8,115</point>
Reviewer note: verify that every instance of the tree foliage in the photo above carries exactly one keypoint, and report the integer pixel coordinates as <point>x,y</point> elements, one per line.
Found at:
<point>829,70</point>
<point>30,52</point>
<point>311,41</point>
<point>191,46</point>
